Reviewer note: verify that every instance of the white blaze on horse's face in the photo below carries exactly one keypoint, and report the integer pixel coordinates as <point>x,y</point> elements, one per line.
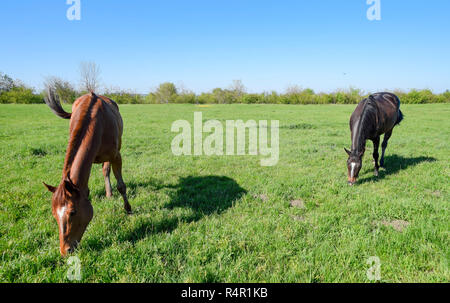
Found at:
<point>353,166</point>
<point>352,171</point>
<point>60,212</point>
<point>72,215</point>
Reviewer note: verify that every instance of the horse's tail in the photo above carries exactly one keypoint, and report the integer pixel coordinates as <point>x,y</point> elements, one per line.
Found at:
<point>52,100</point>
<point>400,114</point>
<point>399,117</point>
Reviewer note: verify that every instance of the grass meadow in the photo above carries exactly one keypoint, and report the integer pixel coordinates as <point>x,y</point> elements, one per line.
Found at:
<point>227,218</point>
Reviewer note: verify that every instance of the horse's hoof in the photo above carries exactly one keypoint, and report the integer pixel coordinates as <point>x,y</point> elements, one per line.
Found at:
<point>128,209</point>
<point>375,173</point>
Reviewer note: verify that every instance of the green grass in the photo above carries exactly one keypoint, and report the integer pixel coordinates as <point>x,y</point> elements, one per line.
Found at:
<point>227,219</point>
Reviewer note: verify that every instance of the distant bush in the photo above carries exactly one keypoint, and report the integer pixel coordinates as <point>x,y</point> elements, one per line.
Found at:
<point>189,98</point>
<point>28,96</point>
<point>423,97</point>
<point>122,97</point>
<point>446,96</point>
<point>14,91</point>
<point>252,99</point>
<point>22,95</point>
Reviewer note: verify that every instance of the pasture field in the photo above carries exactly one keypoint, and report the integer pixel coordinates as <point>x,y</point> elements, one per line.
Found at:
<point>227,218</point>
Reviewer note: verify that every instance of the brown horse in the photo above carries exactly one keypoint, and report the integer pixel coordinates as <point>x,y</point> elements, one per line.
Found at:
<point>374,116</point>
<point>95,137</point>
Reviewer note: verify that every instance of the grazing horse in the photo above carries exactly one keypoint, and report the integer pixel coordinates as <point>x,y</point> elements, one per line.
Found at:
<point>374,116</point>
<point>95,137</point>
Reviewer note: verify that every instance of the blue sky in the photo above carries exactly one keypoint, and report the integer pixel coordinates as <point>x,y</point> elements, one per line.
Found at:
<point>269,45</point>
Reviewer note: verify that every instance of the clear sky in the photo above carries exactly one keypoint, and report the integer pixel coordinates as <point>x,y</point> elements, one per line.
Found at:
<point>269,45</point>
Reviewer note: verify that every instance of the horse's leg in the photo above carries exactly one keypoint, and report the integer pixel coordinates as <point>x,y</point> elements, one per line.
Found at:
<point>376,144</point>
<point>387,135</point>
<point>117,169</point>
<point>106,172</point>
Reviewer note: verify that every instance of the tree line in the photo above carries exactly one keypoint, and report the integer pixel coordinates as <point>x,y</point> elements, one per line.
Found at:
<point>15,91</point>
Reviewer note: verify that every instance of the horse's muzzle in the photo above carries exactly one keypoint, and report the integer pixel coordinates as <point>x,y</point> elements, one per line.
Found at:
<point>70,248</point>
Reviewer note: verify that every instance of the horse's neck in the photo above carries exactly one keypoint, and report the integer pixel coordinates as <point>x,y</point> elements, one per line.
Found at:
<point>79,158</point>
<point>358,136</point>
<point>361,145</point>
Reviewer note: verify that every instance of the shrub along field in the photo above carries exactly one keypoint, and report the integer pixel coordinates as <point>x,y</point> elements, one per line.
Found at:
<point>163,95</point>
<point>226,218</point>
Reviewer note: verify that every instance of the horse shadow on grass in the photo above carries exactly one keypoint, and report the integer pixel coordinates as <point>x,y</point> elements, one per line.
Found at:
<point>202,195</point>
<point>132,187</point>
<point>395,163</point>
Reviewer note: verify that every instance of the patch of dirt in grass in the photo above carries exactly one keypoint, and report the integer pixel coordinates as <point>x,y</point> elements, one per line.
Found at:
<point>298,218</point>
<point>436,193</point>
<point>398,225</point>
<point>299,203</point>
<point>263,197</point>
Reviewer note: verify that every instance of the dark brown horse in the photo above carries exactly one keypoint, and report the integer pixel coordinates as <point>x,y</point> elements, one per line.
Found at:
<point>95,137</point>
<point>374,116</point>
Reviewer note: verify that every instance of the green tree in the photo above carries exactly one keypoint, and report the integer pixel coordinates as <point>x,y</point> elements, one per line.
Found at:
<point>238,89</point>
<point>6,83</point>
<point>89,76</point>
<point>166,92</point>
<point>220,95</point>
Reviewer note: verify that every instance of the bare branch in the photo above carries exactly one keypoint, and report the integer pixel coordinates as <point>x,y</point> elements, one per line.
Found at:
<point>90,76</point>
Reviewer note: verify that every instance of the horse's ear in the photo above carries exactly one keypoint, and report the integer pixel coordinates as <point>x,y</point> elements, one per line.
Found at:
<point>69,186</point>
<point>50,188</point>
<point>347,151</point>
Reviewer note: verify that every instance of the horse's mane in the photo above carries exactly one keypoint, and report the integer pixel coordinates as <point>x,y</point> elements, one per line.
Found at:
<point>366,123</point>
<point>82,118</point>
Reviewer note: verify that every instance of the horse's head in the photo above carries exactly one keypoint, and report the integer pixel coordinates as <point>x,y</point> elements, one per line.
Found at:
<point>72,211</point>
<point>354,164</point>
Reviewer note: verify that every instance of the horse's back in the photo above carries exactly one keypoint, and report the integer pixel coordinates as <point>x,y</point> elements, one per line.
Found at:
<point>111,113</point>
<point>387,99</point>
<point>105,121</point>
<point>386,107</point>
<point>100,108</point>
<point>112,136</point>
